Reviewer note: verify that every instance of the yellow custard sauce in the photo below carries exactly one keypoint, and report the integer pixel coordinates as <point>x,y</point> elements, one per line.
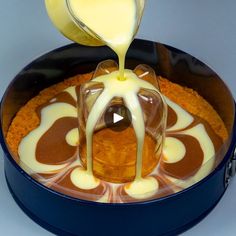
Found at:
<point>114,22</point>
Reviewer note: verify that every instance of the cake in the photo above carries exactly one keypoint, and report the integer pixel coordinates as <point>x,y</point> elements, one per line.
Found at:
<point>63,162</point>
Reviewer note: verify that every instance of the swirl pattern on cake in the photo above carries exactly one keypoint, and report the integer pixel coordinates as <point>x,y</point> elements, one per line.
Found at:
<point>51,152</point>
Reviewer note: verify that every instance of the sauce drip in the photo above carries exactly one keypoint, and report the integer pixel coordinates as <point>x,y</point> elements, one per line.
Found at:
<point>114,22</point>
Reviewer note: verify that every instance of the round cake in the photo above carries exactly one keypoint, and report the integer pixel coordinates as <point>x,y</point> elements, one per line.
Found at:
<point>192,125</point>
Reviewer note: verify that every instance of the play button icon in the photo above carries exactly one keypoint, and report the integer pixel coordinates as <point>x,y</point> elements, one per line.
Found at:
<point>118,117</point>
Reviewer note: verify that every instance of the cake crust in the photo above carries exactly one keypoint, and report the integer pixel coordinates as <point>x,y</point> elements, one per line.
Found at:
<point>27,119</point>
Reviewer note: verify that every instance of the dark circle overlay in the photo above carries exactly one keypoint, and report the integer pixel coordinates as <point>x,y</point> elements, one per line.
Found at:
<point>118,110</point>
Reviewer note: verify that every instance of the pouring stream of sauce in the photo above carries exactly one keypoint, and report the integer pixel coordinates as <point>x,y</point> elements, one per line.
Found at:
<point>115,23</point>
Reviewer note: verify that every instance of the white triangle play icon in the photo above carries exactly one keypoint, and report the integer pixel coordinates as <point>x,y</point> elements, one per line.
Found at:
<point>117,118</point>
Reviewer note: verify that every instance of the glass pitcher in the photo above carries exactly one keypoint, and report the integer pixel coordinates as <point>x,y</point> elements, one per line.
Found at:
<point>71,27</point>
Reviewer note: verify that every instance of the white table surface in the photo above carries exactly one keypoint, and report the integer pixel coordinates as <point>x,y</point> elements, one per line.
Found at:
<point>203,28</point>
